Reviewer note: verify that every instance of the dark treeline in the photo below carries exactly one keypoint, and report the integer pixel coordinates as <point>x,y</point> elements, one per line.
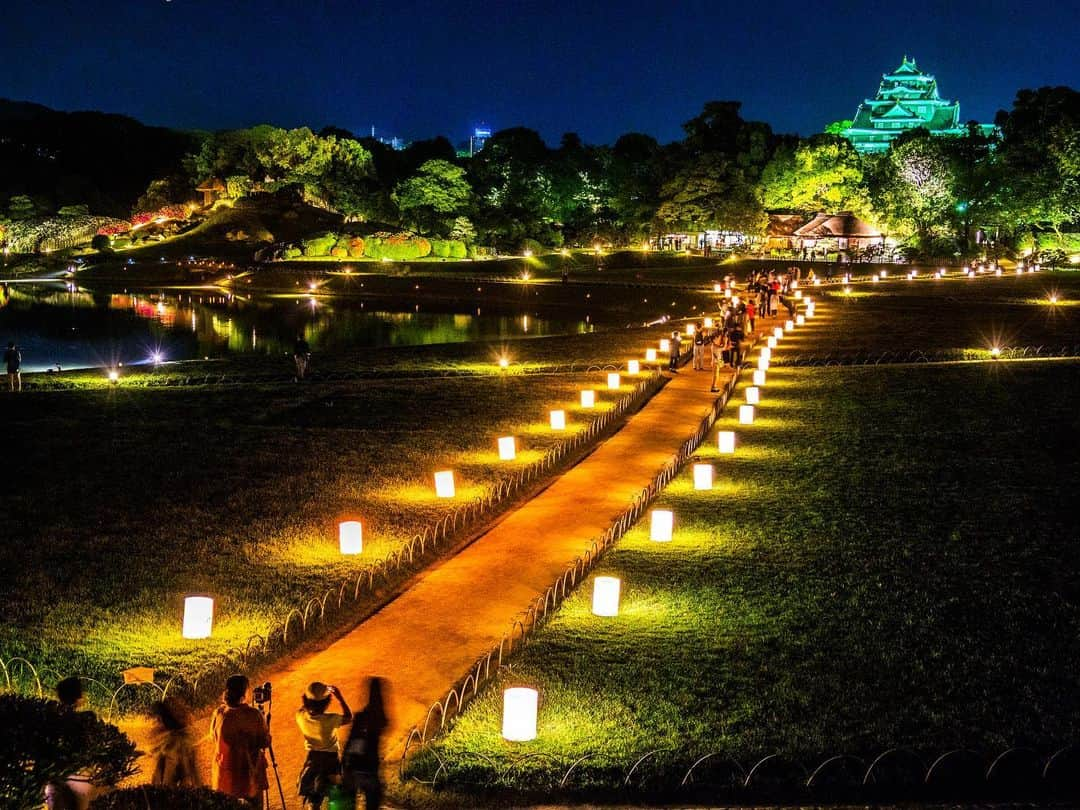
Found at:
<point>1021,184</point>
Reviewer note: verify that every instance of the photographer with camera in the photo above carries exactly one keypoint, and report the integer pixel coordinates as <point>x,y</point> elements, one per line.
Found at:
<point>241,738</point>
<point>321,766</point>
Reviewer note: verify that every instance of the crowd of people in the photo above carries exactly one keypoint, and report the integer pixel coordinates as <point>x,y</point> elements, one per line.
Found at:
<point>342,747</point>
<point>722,344</point>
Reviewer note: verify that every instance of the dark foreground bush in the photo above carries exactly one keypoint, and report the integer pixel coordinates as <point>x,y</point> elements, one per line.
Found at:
<point>41,743</point>
<point>166,798</point>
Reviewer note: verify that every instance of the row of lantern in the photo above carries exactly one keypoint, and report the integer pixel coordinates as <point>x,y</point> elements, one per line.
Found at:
<point>199,608</point>
<point>520,703</point>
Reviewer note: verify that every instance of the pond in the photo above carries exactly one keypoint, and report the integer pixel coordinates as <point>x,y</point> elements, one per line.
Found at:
<point>71,327</point>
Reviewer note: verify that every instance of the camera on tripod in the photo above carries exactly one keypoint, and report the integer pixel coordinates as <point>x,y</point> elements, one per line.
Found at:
<point>262,694</point>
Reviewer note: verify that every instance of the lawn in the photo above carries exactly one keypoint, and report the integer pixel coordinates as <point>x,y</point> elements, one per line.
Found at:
<point>123,498</point>
<point>888,560</point>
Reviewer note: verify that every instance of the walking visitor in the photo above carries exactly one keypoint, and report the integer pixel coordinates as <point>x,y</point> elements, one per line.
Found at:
<point>361,758</point>
<point>172,747</point>
<point>321,766</point>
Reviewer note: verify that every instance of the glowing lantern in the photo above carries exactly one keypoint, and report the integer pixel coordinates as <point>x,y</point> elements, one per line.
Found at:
<point>198,616</point>
<point>753,394</point>
<point>800,320</point>
<point>661,521</point>
<point>503,362</point>
<point>884,273</point>
<point>114,376</point>
<point>766,352</point>
<point>997,272</point>
<point>350,537</point>
<point>703,476</point>
<point>708,323</point>
<point>817,282</point>
<point>717,287</point>
<point>746,414</point>
<point>690,329</point>
<point>810,311</point>
<point>558,420</point>
<point>763,363</point>
<point>727,293</point>
<point>650,355</point>
<point>507,448</point>
<point>519,714</point>
<point>633,367</point>
<point>726,442</point>
<point>789,325</point>
<point>771,342</point>
<point>444,484</point>
<point>778,333</point>
<point>665,345</point>
<point>995,352</point>
<point>613,380</point>
<point>588,398</point>
<point>759,377</point>
<point>1053,298</point>
<point>875,278</point>
<point>605,596</point>
<point>798,295</point>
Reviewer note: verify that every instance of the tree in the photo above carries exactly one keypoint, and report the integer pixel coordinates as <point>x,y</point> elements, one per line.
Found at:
<point>712,195</point>
<point>823,173</point>
<point>43,743</point>
<point>912,186</point>
<point>434,196</point>
<point>838,127</point>
<point>21,207</point>
<point>636,172</point>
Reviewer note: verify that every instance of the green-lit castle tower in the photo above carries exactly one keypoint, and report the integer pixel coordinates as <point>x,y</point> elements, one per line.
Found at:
<point>907,99</point>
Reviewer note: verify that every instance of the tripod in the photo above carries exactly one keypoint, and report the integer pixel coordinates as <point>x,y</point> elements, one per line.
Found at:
<point>266,710</point>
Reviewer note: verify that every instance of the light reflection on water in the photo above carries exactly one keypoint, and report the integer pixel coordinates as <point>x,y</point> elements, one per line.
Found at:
<point>77,328</point>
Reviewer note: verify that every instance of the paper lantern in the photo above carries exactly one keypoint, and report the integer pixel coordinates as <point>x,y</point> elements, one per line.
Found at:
<point>726,442</point>
<point>633,367</point>
<point>703,476</point>
<point>727,293</point>
<point>817,282</point>
<point>997,272</point>
<point>759,377</point>
<point>558,420</point>
<point>507,448</point>
<point>753,394</point>
<point>613,380</point>
<point>771,342</point>
<point>800,320</point>
<point>717,287</point>
<point>766,352</point>
<point>884,273</point>
<point>708,323</point>
<point>690,329</point>
<point>810,311</point>
<point>798,295</point>
<point>746,414</point>
<point>661,521</point>
<point>789,325</point>
<point>519,714</point>
<point>588,398</point>
<point>605,596</point>
<point>650,355</point>
<point>874,278</point>
<point>444,484</point>
<point>198,616</point>
<point>778,333</point>
<point>504,362</point>
<point>350,537</point>
<point>665,345</point>
<point>763,363</point>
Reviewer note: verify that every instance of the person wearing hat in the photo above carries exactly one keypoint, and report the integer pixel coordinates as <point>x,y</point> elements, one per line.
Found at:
<point>319,727</point>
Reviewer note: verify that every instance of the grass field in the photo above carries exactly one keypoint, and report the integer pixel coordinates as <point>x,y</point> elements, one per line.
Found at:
<point>888,560</point>
<point>124,498</point>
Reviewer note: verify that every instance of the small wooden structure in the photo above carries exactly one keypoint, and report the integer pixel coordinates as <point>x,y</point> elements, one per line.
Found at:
<point>840,232</point>
<point>211,189</point>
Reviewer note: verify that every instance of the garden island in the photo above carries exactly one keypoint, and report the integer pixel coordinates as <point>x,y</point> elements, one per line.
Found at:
<point>734,469</point>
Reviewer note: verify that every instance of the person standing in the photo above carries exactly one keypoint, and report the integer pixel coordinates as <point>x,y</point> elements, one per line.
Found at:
<point>13,360</point>
<point>321,765</point>
<point>699,348</point>
<point>301,356</point>
<point>751,311</point>
<point>240,738</point>
<point>76,791</point>
<point>360,759</point>
<point>173,749</point>
<point>676,349</point>
<point>717,349</point>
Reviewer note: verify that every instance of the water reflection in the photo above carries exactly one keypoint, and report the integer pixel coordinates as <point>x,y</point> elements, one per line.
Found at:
<point>65,326</point>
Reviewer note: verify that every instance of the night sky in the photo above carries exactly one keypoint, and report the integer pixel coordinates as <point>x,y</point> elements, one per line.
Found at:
<point>417,69</point>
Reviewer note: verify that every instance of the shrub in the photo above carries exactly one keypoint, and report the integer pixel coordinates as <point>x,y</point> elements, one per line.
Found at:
<point>339,252</point>
<point>397,247</point>
<point>101,242</point>
<point>320,245</point>
<point>43,743</point>
<point>292,253</point>
<point>167,798</point>
<point>458,249</point>
<point>448,248</point>
<point>356,247</point>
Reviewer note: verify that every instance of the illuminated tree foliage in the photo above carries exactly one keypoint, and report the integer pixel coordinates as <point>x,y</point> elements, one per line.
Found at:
<point>431,199</point>
<point>822,174</point>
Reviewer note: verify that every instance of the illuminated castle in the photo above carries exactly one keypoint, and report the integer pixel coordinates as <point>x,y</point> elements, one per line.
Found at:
<point>907,99</point>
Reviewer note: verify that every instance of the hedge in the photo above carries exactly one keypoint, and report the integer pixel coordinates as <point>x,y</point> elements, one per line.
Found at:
<point>320,245</point>
<point>396,247</point>
<point>448,248</point>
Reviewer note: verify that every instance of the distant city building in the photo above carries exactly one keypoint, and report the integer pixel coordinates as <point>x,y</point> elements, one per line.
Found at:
<point>907,99</point>
<point>394,143</point>
<point>478,138</point>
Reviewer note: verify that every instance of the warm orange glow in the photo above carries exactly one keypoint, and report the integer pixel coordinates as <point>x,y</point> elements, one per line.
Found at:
<point>444,484</point>
<point>558,420</point>
<point>613,380</point>
<point>198,616</point>
<point>588,398</point>
<point>350,537</point>
<point>507,448</point>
